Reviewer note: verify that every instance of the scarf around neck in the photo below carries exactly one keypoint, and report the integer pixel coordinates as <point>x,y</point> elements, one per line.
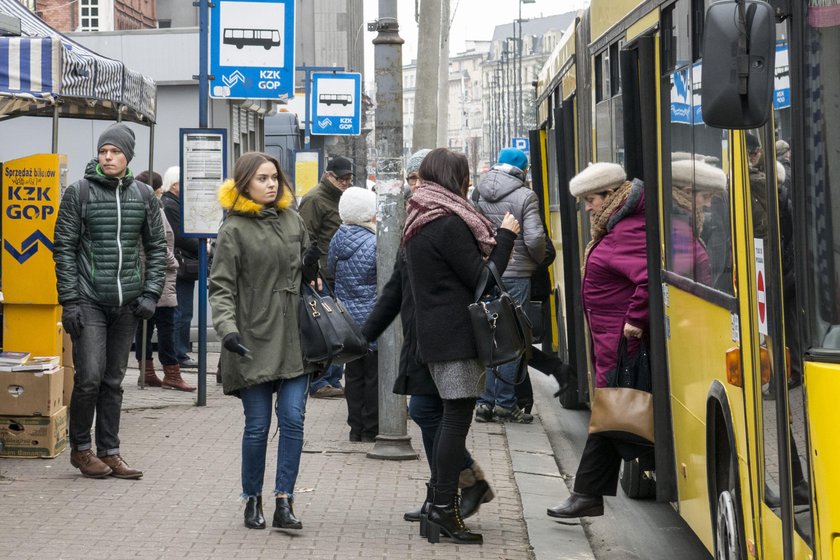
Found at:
<point>432,201</point>
<point>618,205</point>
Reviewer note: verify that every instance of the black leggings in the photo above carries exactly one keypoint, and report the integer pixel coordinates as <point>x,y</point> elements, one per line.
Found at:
<point>450,442</point>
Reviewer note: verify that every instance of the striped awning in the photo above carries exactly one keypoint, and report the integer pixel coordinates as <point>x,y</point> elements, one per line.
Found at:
<point>43,68</point>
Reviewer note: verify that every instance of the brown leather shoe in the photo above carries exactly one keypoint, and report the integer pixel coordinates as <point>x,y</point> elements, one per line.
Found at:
<point>119,468</point>
<point>150,378</point>
<point>90,465</point>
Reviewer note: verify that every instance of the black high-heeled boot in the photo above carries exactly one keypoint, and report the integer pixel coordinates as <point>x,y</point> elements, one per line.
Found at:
<point>254,518</point>
<point>445,516</point>
<point>424,509</point>
<point>284,515</point>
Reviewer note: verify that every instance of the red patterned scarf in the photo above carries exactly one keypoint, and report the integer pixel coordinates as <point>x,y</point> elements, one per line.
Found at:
<point>431,201</point>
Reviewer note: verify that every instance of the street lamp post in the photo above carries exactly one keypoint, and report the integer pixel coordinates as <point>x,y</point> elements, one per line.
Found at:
<point>520,109</point>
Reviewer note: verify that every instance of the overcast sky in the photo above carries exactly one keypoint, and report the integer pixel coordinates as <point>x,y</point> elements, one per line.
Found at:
<point>473,20</point>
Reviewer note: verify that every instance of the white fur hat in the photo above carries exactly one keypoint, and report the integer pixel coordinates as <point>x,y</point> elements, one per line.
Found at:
<point>357,206</point>
<point>704,177</point>
<point>596,178</point>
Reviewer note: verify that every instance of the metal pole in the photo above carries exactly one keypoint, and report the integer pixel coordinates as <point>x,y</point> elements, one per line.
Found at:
<point>145,329</point>
<point>307,84</point>
<point>55,127</point>
<point>519,109</point>
<point>393,442</point>
<point>203,96</point>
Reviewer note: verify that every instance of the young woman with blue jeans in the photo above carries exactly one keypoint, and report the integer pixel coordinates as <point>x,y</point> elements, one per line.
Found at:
<point>258,269</point>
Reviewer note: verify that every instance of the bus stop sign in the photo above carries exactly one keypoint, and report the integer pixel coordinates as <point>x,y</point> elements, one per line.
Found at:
<point>252,49</point>
<point>336,103</point>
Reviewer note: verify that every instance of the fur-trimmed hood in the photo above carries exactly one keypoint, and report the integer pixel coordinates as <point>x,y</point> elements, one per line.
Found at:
<point>232,201</point>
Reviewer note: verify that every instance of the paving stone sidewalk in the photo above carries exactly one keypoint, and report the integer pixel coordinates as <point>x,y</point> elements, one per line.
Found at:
<point>187,504</point>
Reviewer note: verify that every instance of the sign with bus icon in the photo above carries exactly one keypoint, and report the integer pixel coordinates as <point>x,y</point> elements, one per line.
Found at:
<point>336,106</point>
<point>252,49</point>
<point>241,38</point>
<point>335,98</point>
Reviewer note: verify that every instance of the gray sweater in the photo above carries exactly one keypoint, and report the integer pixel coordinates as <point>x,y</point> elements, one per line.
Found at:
<point>502,190</point>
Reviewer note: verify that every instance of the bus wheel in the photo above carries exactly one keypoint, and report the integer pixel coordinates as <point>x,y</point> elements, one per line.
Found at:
<point>267,47</point>
<point>239,46</point>
<point>637,485</point>
<point>728,541</point>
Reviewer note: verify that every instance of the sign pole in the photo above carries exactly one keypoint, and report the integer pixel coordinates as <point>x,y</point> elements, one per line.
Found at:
<point>203,101</point>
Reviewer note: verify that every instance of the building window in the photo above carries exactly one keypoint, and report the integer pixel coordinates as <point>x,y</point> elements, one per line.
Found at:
<point>89,15</point>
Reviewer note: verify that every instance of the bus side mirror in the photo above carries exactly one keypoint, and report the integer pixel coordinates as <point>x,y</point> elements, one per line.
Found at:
<point>738,64</point>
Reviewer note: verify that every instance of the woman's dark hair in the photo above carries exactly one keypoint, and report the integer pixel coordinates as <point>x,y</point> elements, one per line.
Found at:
<point>156,182</point>
<point>448,169</point>
<point>246,168</point>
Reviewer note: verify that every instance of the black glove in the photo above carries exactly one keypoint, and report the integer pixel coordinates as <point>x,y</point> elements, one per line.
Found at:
<point>563,374</point>
<point>233,342</point>
<point>310,262</point>
<point>143,307</point>
<point>71,319</point>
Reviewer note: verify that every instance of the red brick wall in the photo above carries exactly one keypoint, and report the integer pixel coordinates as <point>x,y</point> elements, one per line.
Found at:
<point>58,14</point>
<point>134,14</point>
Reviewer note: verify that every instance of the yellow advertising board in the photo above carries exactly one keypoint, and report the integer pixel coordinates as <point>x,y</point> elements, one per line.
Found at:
<point>306,172</point>
<point>32,188</point>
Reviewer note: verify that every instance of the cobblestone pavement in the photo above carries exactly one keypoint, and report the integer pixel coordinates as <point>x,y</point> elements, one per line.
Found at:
<point>187,505</point>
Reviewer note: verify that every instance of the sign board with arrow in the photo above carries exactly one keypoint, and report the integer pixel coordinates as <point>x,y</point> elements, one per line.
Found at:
<point>336,103</point>
<point>252,49</point>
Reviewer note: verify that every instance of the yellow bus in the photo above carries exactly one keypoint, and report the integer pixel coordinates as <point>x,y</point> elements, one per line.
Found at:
<point>745,319</point>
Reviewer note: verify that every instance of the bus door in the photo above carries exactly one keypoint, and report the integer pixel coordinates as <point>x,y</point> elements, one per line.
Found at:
<point>785,524</point>
<point>639,74</point>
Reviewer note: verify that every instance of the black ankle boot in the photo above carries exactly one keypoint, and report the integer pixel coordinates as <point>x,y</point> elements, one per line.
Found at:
<point>445,516</point>
<point>415,516</point>
<point>254,518</point>
<point>578,505</point>
<point>473,496</point>
<point>284,515</point>
<point>424,509</point>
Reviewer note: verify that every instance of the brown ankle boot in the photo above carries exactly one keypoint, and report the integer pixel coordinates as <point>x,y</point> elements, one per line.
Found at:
<point>149,375</point>
<point>172,379</point>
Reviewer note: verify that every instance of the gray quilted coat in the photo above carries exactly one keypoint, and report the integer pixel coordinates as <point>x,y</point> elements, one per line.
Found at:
<point>502,190</point>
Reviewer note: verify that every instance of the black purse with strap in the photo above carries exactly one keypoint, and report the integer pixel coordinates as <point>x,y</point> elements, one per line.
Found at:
<point>500,325</point>
<point>328,334</point>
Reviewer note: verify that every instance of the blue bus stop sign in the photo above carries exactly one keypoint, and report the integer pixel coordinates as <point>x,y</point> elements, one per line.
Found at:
<point>521,144</point>
<point>336,103</point>
<point>252,49</point>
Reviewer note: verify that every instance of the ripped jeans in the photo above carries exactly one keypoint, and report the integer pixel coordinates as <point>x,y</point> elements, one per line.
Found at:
<point>290,408</point>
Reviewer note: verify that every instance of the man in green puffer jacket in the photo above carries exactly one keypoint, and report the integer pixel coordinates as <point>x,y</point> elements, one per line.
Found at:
<point>104,292</point>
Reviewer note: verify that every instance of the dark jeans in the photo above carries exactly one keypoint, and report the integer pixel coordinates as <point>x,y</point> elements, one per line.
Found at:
<point>450,445</point>
<point>164,321</point>
<point>361,390</point>
<point>426,411</point>
<point>100,354</point>
<point>183,317</point>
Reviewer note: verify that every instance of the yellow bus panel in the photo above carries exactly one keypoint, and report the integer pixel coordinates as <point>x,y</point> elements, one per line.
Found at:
<point>605,14</point>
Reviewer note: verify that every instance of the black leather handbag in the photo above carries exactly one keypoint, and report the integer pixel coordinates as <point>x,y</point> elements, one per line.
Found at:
<point>500,325</point>
<point>328,334</point>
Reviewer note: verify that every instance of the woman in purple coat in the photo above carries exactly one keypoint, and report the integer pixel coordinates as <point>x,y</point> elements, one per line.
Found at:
<point>615,300</point>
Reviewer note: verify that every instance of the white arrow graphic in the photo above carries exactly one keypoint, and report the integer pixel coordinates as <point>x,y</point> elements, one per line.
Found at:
<point>233,79</point>
<point>324,123</point>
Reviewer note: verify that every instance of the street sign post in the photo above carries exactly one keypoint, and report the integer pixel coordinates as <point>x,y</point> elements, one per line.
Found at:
<point>252,49</point>
<point>336,103</point>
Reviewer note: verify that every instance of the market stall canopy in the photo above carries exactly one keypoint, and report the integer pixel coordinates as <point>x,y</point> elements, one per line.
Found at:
<point>42,68</point>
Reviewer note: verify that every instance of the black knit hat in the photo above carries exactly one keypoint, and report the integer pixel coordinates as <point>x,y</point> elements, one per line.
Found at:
<point>120,136</point>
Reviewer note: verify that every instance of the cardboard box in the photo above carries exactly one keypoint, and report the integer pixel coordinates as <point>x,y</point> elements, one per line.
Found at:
<point>69,377</point>
<point>34,436</point>
<point>66,349</point>
<point>31,393</point>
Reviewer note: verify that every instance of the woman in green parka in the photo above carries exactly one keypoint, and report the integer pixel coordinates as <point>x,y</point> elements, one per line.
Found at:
<point>254,293</point>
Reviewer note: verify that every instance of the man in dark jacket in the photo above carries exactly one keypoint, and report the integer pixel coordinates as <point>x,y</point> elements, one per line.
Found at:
<point>504,190</point>
<point>319,210</point>
<point>101,223</point>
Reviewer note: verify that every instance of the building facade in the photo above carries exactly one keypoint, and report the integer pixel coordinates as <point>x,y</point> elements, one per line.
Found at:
<point>95,15</point>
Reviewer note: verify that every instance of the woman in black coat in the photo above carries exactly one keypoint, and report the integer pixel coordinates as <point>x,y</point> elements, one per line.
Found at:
<point>447,242</point>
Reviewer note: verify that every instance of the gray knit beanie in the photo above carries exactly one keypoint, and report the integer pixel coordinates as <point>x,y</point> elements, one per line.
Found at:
<point>415,160</point>
<point>120,136</point>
